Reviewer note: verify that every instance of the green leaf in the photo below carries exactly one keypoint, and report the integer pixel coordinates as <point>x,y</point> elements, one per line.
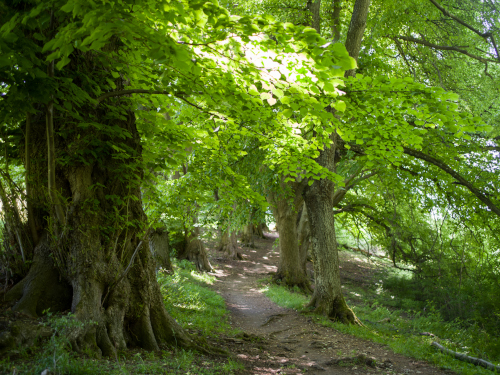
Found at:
<point>285,100</point>
<point>288,113</point>
<point>252,90</point>
<point>278,93</point>
<point>339,105</point>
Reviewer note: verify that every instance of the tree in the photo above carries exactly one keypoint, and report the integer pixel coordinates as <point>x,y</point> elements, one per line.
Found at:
<point>88,79</point>
<point>375,114</point>
<point>285,203</point>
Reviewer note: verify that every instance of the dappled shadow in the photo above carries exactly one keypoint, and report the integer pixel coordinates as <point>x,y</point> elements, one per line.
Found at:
<point>280,340</point>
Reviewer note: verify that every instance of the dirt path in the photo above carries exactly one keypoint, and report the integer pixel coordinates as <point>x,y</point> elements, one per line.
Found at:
<point>277,340</point>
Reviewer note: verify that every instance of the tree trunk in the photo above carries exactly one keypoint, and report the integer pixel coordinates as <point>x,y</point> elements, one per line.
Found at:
<point>195,251</point>
<point>97,265</point>
<point>290,270</point>
<point>303,237</point>
<point>248,231</point>
<point>316,19</point>
<point>356,30</point>
<point>259,229</point>
<point>319,197</point>
<point>229,244</point>
<point>247,237</point>
<point>158,245</point>
<point>327,298</point>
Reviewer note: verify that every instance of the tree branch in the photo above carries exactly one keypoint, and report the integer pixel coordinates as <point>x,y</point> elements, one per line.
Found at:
<point>144,91</point>
<point>128,92</point>
<point>356,30</point>
<point>460,21</point>
<point>466,358</point>
<point>441,165</point>
<point>444,48</point>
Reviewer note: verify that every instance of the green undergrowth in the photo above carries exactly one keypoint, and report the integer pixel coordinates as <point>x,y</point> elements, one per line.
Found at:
<point>399,328</point>
<point>178,362</point>
<point>188,298</point>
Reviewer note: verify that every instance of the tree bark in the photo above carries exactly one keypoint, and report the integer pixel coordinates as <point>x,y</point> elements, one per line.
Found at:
<point>229,244</point>
<point>83,267</point>
<point>159,247</point>
<point>316,18</point>
<point>327,298</point>
<point>259,229</point>
<point>248,231</point>
<point>304,237</point>
<point>335,21</point>
<point>284,208</point>
<point>319,198</point>
<point>195,251</point>
<point>193,248</point>
<point>356,30</point>
<point>247,237</point>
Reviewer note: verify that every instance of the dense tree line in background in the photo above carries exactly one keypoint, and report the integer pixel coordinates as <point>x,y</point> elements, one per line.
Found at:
<point>124,122</point>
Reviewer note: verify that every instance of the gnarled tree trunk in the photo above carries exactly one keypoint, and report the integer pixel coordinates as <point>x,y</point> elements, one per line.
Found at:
<point>98,264</point>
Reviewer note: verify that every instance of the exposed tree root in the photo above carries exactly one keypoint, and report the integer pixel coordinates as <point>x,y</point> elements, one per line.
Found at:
<point>42,288</point>
<point>336,310</point>
<point>299,281</point>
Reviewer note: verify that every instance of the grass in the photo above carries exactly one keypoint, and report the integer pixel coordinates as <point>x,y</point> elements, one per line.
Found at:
<point>397,327</point>
<point>188,298</point>
<point>131,362</point>
<point>191,302</point>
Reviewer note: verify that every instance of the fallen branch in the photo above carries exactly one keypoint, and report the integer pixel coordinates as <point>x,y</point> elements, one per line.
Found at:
<point>466,358</point>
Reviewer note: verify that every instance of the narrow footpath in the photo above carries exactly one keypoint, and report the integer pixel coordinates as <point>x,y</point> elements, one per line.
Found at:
<point>276,340</point>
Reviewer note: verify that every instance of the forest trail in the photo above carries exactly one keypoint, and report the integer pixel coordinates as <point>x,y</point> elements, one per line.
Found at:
<point>276,340</point>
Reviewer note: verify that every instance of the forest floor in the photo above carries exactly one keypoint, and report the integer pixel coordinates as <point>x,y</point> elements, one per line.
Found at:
<point>277,340</point>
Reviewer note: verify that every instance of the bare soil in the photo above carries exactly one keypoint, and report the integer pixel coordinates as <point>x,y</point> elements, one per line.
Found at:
<point>276,340</point>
